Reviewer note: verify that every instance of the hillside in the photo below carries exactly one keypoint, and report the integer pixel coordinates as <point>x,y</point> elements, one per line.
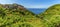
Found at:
<point>15,15</point>
<point>17,9</point>
<point>51,17</point>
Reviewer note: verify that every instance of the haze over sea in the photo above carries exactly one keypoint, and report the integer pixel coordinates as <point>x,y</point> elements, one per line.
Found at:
<point>37,10</point>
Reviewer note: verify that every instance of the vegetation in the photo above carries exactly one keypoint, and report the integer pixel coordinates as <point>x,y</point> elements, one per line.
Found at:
<point>15,15</point>
<point>51,17</point>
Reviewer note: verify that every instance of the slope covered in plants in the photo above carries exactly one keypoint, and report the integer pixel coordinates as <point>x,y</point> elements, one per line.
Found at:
<point>51,17</point>
<point>14,15</point>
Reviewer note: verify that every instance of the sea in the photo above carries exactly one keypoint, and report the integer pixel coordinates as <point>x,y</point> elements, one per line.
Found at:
<point>37,10</point>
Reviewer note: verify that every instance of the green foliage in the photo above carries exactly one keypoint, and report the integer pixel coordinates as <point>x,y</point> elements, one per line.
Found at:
<point>14,15</point>
<point>25,25</point>
<point>51,17</point>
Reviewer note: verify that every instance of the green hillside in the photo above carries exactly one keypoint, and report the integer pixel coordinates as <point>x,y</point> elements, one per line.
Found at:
<point>15,15</point>
<point>51,17</point>
<point>17,9</point>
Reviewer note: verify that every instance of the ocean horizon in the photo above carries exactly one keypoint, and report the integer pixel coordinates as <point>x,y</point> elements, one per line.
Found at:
<point>37,10</point>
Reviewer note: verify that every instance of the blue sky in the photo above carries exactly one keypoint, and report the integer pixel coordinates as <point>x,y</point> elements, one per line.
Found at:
<point>32,3</point>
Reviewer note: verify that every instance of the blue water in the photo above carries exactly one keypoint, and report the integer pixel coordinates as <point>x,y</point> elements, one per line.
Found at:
<point>37,10</point>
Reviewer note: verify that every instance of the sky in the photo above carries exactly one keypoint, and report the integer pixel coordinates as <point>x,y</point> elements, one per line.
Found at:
<point>32,3</point>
